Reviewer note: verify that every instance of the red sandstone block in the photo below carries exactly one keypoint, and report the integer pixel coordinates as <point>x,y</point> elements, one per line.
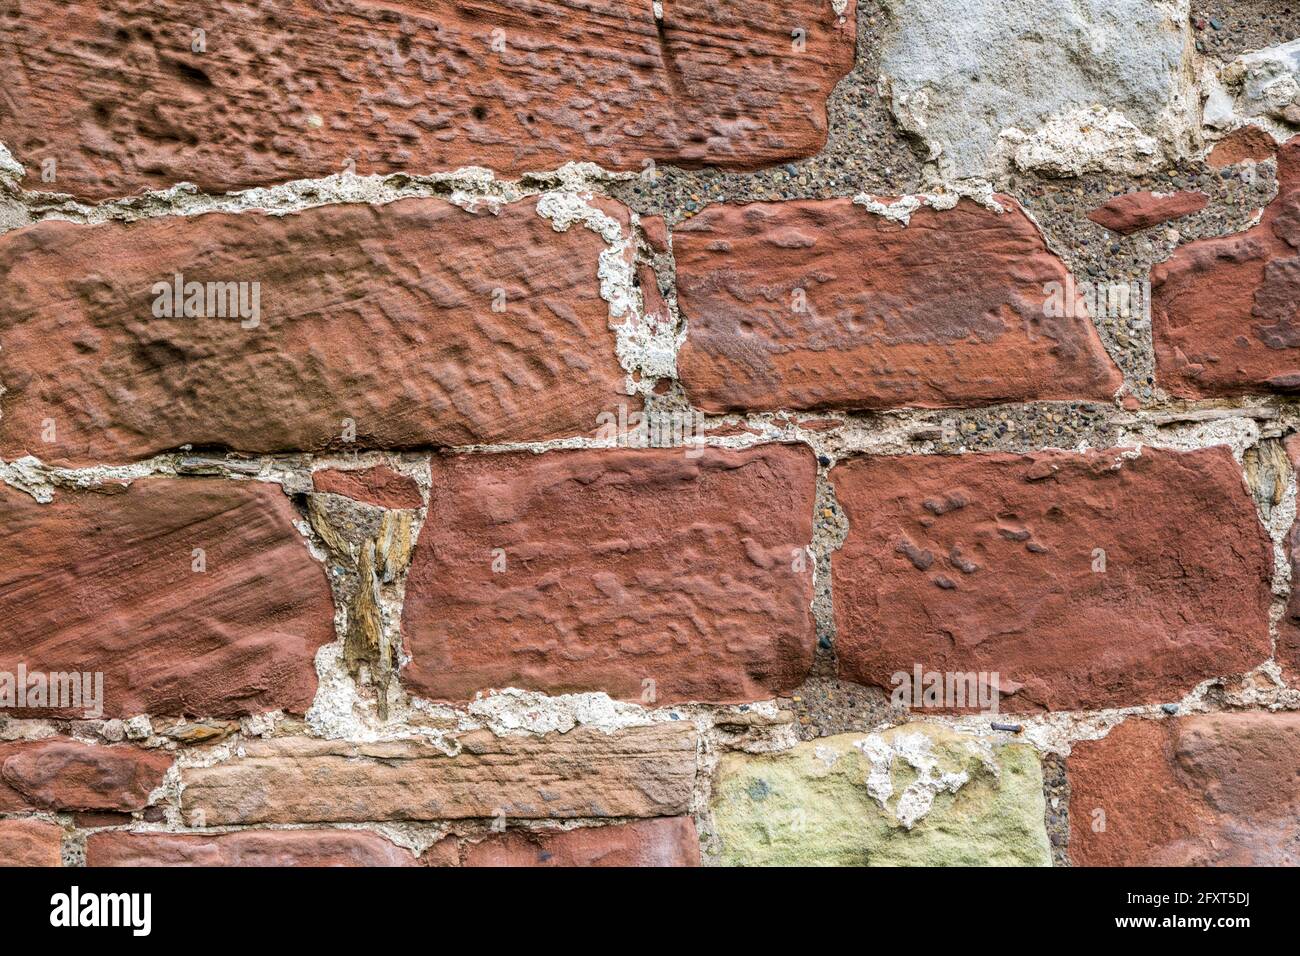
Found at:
<point>380,486</point>
<point>666,841</point>
<point>1223,310</point>
<point>189,596</point>
<point>62,774</point>
<point>1243,143</point>
<point>1135,211</point>
<point>245,848</point>
<point>822,304</point>
<point>1213,789</point>
<point>407,324</point>
<point>30,843</point>
<point>1082,580</point>
<point>659,575</point>
<point>128,94</point>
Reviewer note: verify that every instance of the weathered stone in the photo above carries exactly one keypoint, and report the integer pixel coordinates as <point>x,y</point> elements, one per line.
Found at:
<point>1225,313</point>
<point>380,486</point>
<point>1287,651</point>
<point>823,304</point>
<point>1244,143</point>
<point>1267,83</point>
<point>916,795</point>
<point>30,843</point>
<point>1207,790</point>
<point>61,774</point>
<point>659,575</point>
<point>375,328</point>
<point>246,848</point>
<point>1103,579</point>
<point>128,94</point>
<point>190,596</point>
<point>975,78</point>
<point>1134,211</point>
<point>637,772</point>
<point>667,841</point>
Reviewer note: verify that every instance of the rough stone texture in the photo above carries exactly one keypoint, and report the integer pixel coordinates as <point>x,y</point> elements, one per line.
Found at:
<point>1208,790</point>
<point>1287,650</point>
<point>916,795</point>
<point>1225,310</point>
<point>961,75</point>
<point>377,486</point>
<point>105,581</point>
<point>30,843</point>
<point>986,563</point>
<point>1243,143</point>
<point>115,92</point>
<point>1267,83</point>
<point>246,848</point>
<point>948,310</point>
<point>61,774</point>
<point>637,772</point>
<point>381,316</point>
<point>1134,211</point>
<point>680,566</point>
<point>668,841</point>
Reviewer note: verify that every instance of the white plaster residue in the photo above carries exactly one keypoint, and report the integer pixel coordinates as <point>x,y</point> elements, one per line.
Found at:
<point>917,751</point>
<point>946,196</point>
<point>1089,140</point>
<point>514,711</point>
<point>11,171</point>
<point>646,349</point>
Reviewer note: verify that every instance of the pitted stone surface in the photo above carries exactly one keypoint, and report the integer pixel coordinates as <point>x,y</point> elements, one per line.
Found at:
<point>127,95</point>
<point>413,323</point>
<point>1225,312</point>
<point>1207,790</point>
<point>822,304</point>
<point>61,774</point>
<point>1082,580</point>
<point>656,575</point>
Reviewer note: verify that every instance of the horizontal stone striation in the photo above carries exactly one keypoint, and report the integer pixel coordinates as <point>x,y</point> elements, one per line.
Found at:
<point>376,329</point>
<point>992,563</point>
<point>30,843</point>
<point>637,772</point>
<point>822,304</point>
<point>246,848</point>
<point>108,581</point>
<point>61,774</point>
<point>1224,310</point>
<point>604,570</point>
<point>1206,790</point>
<point>380,486</point>
<point>118,95</point>
<point>666,841</point>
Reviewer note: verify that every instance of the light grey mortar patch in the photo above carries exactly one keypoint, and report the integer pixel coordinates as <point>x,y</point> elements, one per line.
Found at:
<point>958,73</point>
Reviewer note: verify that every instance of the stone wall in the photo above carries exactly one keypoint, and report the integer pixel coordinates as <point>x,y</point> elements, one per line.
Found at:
<point>559,433</point>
